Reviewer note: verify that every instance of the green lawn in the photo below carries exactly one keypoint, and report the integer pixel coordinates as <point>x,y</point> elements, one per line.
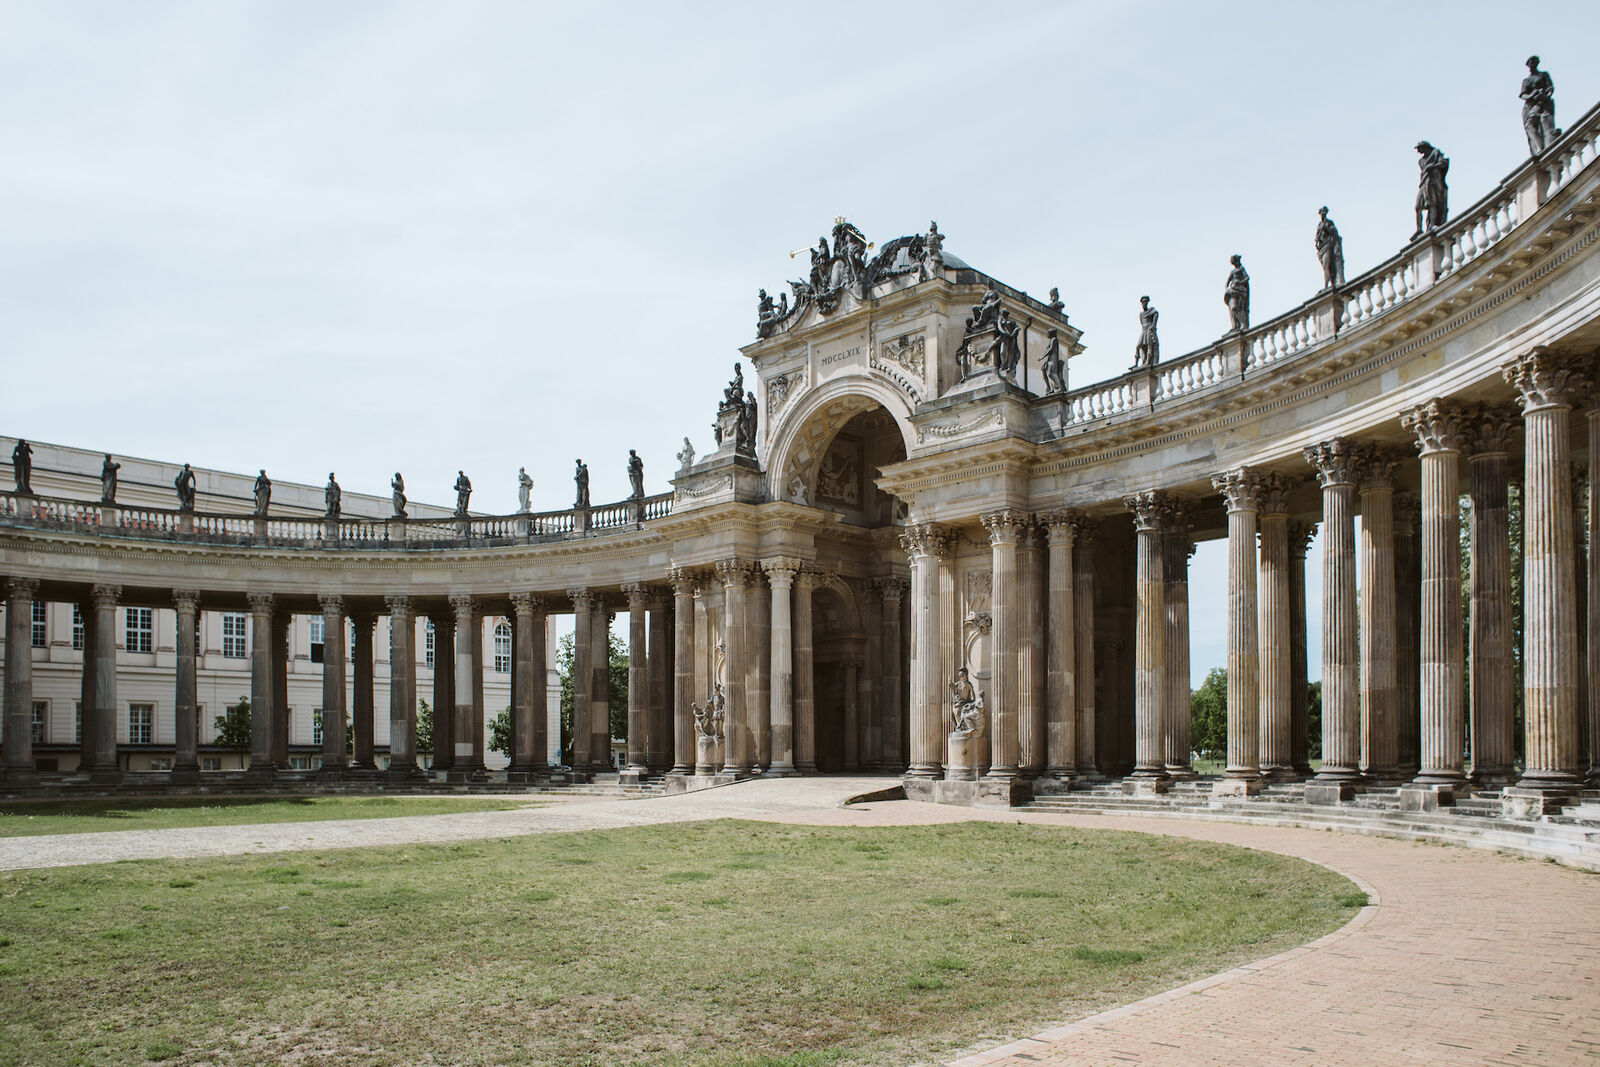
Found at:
<point>713,943</point>
<point>26,819</point>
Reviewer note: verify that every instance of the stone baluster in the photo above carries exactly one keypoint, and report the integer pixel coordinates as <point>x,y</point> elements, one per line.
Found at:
<point>780,574</point>
<point>1150,512</point>
<point>638,678</point>
<point>1031,673</point>
<point>1276,650</point>
<point>403,687</point>
<point>1492,710</point>
<point>363,623</point>
<point>333,689</point>
<point>925,545</point>
<point>1005,530</point>
<point>1084,529</point>
<point>186,690</point>
<point>1380,756</point>
<point>683,694</point>
<point>659,750</point>
<point>1546,383</point>
<point>19,681</point>
<point>1061,757</point>
<point>1241,488</point>
<point>1408,625</point>
<point>805,702</point>
<point>261,643</point>
<point>583,606</point>
<point>892,590</point>
<point>1336,463</point>
<point>529,740</point>
<point>1300,535</point>
<point>735,577</point>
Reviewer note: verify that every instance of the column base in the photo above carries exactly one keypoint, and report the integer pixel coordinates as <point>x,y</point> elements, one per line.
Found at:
<point>1303,770</point>
<point>1336,791</point>
<point>1524,802</point>
<point>781,770</point>
<point>1236,787</point>
<point>1181,772</point>
<point>1493,778</point>
<point>1136,786</point>
<point>404,774</point>
<point>186,774</point>
<point>1431,796</point>
<point>918,770</point>
<point>1279,773</point>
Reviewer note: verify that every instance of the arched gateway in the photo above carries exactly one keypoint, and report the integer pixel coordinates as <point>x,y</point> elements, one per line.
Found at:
<point>917,548</point>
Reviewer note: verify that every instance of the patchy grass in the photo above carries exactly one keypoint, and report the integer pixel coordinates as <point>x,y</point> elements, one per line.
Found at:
<point>841,945</point>
<point>29,819</point>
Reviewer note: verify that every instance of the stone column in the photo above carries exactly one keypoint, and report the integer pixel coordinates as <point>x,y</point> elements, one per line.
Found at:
<point>638,678</point>
<point>333,690</point>
<point>444,689</point>
<point>261,642</point>
<point>805,701</point>
<point>19,680</point>
<point>780,573</point>
<point>468,758</point>
<point>735,577</point>
<point>758,672</point>
<point>186,696</point>
<point>1546,382</point>
<point>1592,646</point>
<point>658,750</point>
<point>892,590</point>
<point>1031,667</point>
<point>870,691</point>
<point>1300,535</point>
<point>1005,530</point>
<point>600,687</point>
<point>1276,645</point>
<point>1150,514</point>
<point>86,723</point>
<point>1380,756</point>
<point>852,749</point>
<point>529,742</point>
<point>1176,549</point>
<point>403,687</point>
<point>683,694</point>
<point>363,623</point>
<point>1408,611</point>
<point>1580,587</point>
<point>1061,757</point>
<point>924,545</point>
<point>582,649</point>
<point>1438,426</point>
<point>1491,713</point>
<point>1083,530</point>
<point>106,766</point>
<point>1336,465</point>
<point>281,621</point>
<point>1241,488</point>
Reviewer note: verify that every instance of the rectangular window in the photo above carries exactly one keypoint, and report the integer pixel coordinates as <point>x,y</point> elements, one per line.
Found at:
<point>77,627</point>
<point>502,647</point>
<point>211,763</point>
<point>140,631</point>
<point>316,638</point>
<point>427,646</point>
<point>233,630</point>
<point>299,763</point>
<point>161,763</point>
<point>41,630</point>
<point>141,722</point>
<point>40,710</point>
<point>316,726</point>
<point>77,722</point>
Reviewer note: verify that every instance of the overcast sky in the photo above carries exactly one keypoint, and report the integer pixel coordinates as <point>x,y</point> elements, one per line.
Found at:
<point>367,237</point>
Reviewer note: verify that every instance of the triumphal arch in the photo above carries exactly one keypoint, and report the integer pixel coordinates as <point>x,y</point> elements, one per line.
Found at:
<point>919,547</point>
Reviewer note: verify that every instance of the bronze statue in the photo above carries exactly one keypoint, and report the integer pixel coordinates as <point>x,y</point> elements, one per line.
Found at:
<point>22,466</point>
<point>184,483</point>
<point>636,474</point>
<point>1237,297</point>
<point>108,480</point>
<point>1330,251</point>
<point>1539,108</point>
<point>397,486</point>
<point>333,496</point>
<point>263,492</point>
<point>1147,353</point>
<point>1432,193</point>
<point>463,493</point>
<point>1053,366</point>
<point>581,477</point>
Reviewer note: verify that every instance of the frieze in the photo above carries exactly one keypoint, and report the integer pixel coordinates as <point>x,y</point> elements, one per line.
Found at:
<point>721,485</point>
<point>956,429</point>
<point>780,388</point>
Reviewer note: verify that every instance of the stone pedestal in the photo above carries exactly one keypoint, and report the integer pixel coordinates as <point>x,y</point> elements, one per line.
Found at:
<point>1519,802</point>
<point>1149,787</point>
<point>1330,792</point>
<point>958,758</point>
<point>1236,787</point>
<point>1430,797</point>
<point>981,793</point>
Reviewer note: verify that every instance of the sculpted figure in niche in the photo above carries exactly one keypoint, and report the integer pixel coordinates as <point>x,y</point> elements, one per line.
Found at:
<point>108,480</point>
<point>22,466</point>
<point>1054,367</point>
<point>263,493</point>
<point>1147,353</point>
<point>580,476</point>
<point>333,496</point>
<point>524,490</point>
<point>463,493</point>
<point>1539,108</point>
<point>397,486</point>
<point>966,706</point>
<point>686,456</point>
<point>635,474</point>
<point>184,483</point>
<point>1433,194</point>
<point>1330,251</point>
<point>1237,297</point>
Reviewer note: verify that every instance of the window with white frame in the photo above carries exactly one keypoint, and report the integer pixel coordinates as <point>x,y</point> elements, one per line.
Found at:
<point>41,709</point>
<point>141,723</point>
<point>41,629</point>
<point>77,627</point>
<point>77,722</point>
<point>233,631</point>
<point>316,726</point>
<point>211,763</point>
<point>316,637</point>
<point>502,646</point>
<point>427,645</point>
<point>140,635</point>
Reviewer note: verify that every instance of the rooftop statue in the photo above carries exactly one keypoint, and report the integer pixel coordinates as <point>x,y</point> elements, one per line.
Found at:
<point>1237,296</point>
<point>985,313</point>
<point>22,466</point>
<point>333,497</point>
<point>524,490</point>
<point>990,339</point>
<point>1433,194</point>
<point>1330,251</point>
<point>1539,108</point>
<point>108,480</point>
<point>745,439</point>
<point>1056,303</point>
<point>966,706</point>
<point>730,412</point>
<point>1054,367</point>
<point>1008,330</point>
<point>685,456</point>
<point>463,493</point>
<point>263,493</point>
<point>635,474</point>
<point>397,486</point>
<point>769,314</point>
<point>184,483</point>
<point>1147,353</point>
<point>932,251</point>
<point>580,476</point>
<point>821,265</point>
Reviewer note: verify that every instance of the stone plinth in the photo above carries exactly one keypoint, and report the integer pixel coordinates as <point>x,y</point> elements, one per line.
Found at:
<point>1430,797</point>
<point>1149,787</point>
<point>1330,792</point>
<point>1231,787</point>
<point>1517,802</point>
<point>958,758</point>
<point>982,793</point>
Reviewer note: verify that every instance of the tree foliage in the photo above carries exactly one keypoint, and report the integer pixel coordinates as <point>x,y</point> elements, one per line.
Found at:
<point>424,726</point>
<point>233,726</point>
<point>500,733</point>
<point>1208,716</point>
<point>565,657</point>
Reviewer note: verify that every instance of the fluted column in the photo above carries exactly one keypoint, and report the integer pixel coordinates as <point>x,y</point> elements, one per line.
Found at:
<point>468,669</point>
<point>1336,462</point>
<point>1083,530</point>
<point>186,695</point>
<point>1150,513</point>
<point>403,686</point>
<point>529,743</point>
<point>281,621</point>
<point>1241,489</point>
<point>1276,649</point>
<point>658,750</point>
<point>925,545</point>
<point>758,669</point>
<point>1005,530</point>
<point>1061,698</point>
<point>1491,712</point>
<point>638,677</point>
<point>1546,383</point>
<point>1379,738</point>
<point>261,642</point>
<point>1438,427</point>
<point>1176,548</point>
<point>19,680</point>
<point>333,689</point>
<point>363,623</point>
<point>1591,711</point>
<point>1300,535</point>
<point>1408,625</point>
<point>735,577</point>
<point>781,573</point>
<point>892,699</point>
<point>583,606</point>
<point>444,688</point>
<point>805,698</point>
<point>683,694</point>
<point>600,687</point>
<point>1031,679</point>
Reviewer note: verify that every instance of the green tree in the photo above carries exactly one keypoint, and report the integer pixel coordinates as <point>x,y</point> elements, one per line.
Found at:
<point>619,689</point>
<point>1208,716</point>
<point>233,726</point>
<point>1314,720</point>
<point>500,733</point>
<point>424,727</point>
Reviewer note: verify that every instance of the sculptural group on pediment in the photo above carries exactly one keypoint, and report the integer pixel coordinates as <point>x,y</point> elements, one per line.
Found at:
<point>843,267</point>
<point>991,339</point>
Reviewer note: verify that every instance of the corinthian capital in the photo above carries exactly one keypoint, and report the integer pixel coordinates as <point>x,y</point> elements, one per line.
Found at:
<point>1240,487</point>
<point>1490,428</point>
<point>925,540</point>
<point>1440,426</point>
<point>1152,509</point>
<point>1005,526</point>
<point>1337,462</point>
<point>1544,379</point>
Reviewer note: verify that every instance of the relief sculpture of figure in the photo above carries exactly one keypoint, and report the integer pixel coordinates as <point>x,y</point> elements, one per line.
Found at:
<point>1330,251</point>
<point>686,456</point>
<point>580,477</point>
<point>463,493</point>
<point>524,490</point>
<point>1539,108</point>
<point>333,497</point>
<point>397,486</point>
<point>1433,194</point>
<point>22,466</point>
<point>1237,297</point>
<point>1147,353</point>
<point>263,493</point>
<point>108,480</point>
<point>184,483</point>
<point>966,706</point>
<point>1054,367</point>
<point>635,474</point>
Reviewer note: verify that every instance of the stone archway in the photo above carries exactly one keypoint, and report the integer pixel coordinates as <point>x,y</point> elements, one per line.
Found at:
<point>804,436</point>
